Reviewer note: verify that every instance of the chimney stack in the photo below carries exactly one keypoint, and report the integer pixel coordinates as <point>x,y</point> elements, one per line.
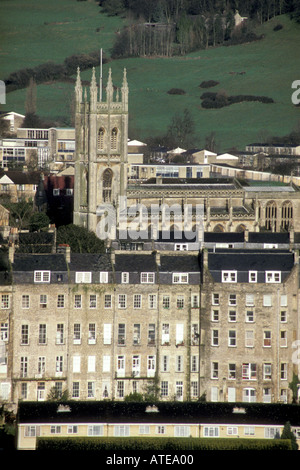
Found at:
<point>65,250</point>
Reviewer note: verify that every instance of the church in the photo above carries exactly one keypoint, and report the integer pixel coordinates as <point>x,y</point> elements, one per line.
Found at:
<point>106,200</point>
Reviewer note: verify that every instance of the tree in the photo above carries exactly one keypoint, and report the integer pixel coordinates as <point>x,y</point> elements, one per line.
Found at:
<point>181,130</point>
<point>31,121</point>
<point>287,433</point>
<point>136,397</point>
<point>4,128</point>
<point>293,385</point>
<point>30,103</point>
<point>38,221</point>
<point>210,142</point>
<point>79,239</point>
<point>19,213</point>
<point>55,395</point>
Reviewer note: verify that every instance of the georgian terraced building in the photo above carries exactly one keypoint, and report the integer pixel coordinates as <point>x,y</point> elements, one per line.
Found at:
<point>219,324</point>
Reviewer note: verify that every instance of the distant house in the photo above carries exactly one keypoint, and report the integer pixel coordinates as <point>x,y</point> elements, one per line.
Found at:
<point>17,185</point>
<point>15,120</point>
<point>59,190</point>
<point>274,149</point>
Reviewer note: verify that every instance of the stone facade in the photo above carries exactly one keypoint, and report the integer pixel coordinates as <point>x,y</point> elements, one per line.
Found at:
<point>101,133</point>
<point>164,323</point>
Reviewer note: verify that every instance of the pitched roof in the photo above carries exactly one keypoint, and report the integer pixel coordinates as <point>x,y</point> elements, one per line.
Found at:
<point>132,262</point>
<point>223,237</point>
<point>167,412</point>
<point>179,263</point>
<point>90,262</point>
<point>250,260</point>
<point>44,262</point>
<point>22,177</point>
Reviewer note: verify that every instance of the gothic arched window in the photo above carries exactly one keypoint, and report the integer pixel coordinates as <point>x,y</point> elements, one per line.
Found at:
<point>113,138</point>
<point>106,184</point>
<point>100,142</point>
<point>286,215</point>
<point>271,216</point>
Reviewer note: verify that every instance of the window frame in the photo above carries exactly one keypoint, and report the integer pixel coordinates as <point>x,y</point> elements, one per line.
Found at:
<point>45,276</point>
<point>229,276</point>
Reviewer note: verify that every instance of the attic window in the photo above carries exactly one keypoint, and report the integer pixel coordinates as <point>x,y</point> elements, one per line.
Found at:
<point>180,278</point>
<point>41,276</point>
<point>229,276</point>
<point>273,276</point>
<point>103,277</point>
<point>252,276</point>
<point>83,277</point>
<point>147,278</point>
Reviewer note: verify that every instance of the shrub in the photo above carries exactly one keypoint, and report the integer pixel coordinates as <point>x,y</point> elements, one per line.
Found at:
<point>162,444</point>
<point>176,91</point>
<point>219,100</point>
<point>278,27</point>
<point>208,84</point>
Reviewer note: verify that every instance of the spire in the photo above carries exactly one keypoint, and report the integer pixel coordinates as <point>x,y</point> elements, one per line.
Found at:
<point>78,87</point>
<point>93,89</point>
<point>109,87</point>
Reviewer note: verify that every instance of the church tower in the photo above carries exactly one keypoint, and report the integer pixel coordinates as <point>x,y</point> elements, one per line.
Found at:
<point>101,137</point>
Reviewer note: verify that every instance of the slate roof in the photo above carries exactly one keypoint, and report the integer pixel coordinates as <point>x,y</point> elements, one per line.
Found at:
<point>41,262</point>
<point>170,236</point>
<point>269,237</point>
<point>168,412</point>
<point>90,262</point>
<point>223,237</point>
<point>130,262</point>
<point>22,177</point>
<point>179,263</point>
<point>250,260</point>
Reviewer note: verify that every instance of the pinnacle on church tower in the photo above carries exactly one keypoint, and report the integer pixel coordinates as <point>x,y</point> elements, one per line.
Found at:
<point>78,87</point>
<point>109,87</point>
<point>93,90</point>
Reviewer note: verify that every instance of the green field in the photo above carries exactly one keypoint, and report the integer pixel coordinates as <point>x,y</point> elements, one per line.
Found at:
<point>270,66</point>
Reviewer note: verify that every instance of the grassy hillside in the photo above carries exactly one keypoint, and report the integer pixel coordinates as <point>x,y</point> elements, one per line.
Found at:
<point>270,66</point>
<point>36,31</point>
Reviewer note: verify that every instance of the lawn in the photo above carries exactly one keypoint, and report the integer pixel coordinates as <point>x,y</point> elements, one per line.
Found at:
<point>269,65</point>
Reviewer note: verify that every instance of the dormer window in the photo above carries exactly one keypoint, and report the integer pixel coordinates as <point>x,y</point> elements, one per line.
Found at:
<point>252,276</point>
<point>83,277</point>
<point>103,277</point>
<point>180,278</point>
<point>41,276</point>
<point>147,278</point>
<point>229,276</point>
<point>273,276</point>
<point>124,278</point>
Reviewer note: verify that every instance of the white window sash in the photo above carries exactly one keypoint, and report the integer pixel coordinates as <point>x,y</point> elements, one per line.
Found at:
<point>107,333</point>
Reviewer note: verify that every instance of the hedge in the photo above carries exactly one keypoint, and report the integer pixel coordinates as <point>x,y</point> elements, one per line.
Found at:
<point>215,100</point>
<point>160,443</point>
